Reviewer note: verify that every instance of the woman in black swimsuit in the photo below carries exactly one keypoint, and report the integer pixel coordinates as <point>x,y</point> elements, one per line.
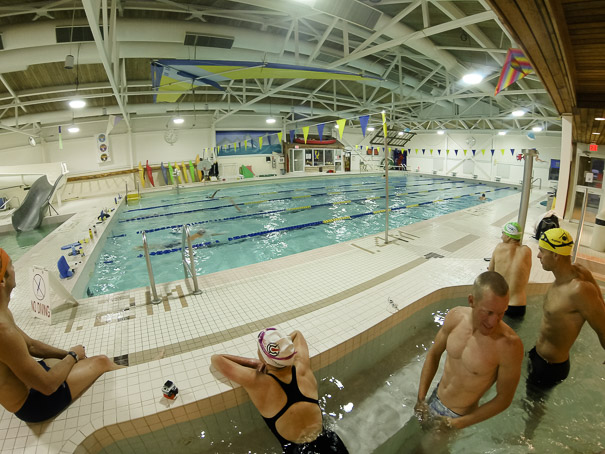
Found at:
<point>283,388</point>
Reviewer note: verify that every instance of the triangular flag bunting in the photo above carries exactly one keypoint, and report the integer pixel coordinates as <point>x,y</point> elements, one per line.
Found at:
<point>456,151</point>
<point>279,135</point>
<point>502,150</point>
<point>431,150</point>
<point>423,151</point>
<point>492,152</point>
<point>512,151</point>
<point>483,152</point>
<point>306,132</point>
<point>341,126</point>
<point>516,67</point>
<point>260,143</point>
<point>447,152</point>
<point>320,130</point>
<point>292,135</point>
<point>363,121</point>
<point>416,150</point>
<point>474,151</point>
<point>439,151</point>
<point>246,144</point>
<point>384,124</point>
<point>464,152</point>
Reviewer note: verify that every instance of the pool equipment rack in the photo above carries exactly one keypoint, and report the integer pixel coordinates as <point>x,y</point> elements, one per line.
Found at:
<point>189,267</point>
<point>155,299</point>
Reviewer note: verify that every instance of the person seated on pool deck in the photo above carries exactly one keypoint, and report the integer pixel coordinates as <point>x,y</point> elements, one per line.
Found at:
<point>481,350</point>
<point>283,388</point>
<point>39,390</point>
<point>513,261</point>
<point>573,299</point>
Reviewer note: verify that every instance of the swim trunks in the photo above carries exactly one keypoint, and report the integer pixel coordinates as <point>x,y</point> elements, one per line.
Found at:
<point>38,407</point>
<point>437,408</point>
<point>328,442</point>
<point>516,311</point>
<point>544,374</point>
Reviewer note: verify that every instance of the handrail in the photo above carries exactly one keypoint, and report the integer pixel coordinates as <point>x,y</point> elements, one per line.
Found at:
<point>155,299</point>
<point>175,174</point>
<point>580,227</point>
<point>536,179</point>
<point>189,268</point>
<point>127,193</point>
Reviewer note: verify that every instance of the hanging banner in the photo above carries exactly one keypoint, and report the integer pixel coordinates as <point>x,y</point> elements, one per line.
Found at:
<point>260,143</point>
<point>464,152</point>
<point>320,131</point>
<point>306,132</point>
<point>512,151</point>
<point>279,134</point>
<point>341,126</point>
<point>493,151</point>
<point>474,151</point>
<point>384,124</point>
<point>363,121</point>
<point>102,148</point>
<point>292,135</point>
<point>439,152</point>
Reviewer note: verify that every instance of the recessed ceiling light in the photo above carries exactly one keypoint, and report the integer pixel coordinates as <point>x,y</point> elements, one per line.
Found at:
<point>369,129</point>
<point>400,133</point>
<point>518,113</point>
<point>441,132</point>
<point>77,103</point>
<point>536,129</point>
<point>73,129</point>
<point>600,119</point>
<point>178,120</point>
<point>270,120</point>
<point>472,78</point>
<point>596,133</point>
<point>502,133</point>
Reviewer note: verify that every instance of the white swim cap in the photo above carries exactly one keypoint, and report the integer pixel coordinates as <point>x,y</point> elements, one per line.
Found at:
<point>276,349</point>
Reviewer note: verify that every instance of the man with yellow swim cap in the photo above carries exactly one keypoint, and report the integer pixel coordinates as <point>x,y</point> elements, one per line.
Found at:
<point>573,299</point>
<point>513,261</point>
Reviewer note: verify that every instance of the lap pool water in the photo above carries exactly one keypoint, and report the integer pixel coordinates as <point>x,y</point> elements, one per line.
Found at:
<point>247,224</point>
<point>368,396</point>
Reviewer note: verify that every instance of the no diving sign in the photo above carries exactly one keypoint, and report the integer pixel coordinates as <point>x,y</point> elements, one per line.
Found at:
<point>40,294</point>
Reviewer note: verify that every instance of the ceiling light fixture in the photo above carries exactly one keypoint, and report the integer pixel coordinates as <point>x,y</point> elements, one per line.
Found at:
<point>400,133</point>
<point>441,132</point>
<point>178,120</point>
<point>600,119</point>
<point>518,113</point>
<point>501,133</point>
<point>596,133</point>
<point>271,120</point>
<point>472,78</point>
<point>73,129</point>
<point>536,128</point>
<point>77,103</point>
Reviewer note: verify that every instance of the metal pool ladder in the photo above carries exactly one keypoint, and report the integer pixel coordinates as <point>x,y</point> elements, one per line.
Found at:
<point>155,299</point>
<point>189,267</point>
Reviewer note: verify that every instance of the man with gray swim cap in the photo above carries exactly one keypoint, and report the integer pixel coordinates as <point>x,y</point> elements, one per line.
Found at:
<point>513,261</point>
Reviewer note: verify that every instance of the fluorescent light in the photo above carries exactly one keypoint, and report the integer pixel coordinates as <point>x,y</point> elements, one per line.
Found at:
<point>472,78</point>
<point>400,133</point>
<point>77,103</point>
<point>596,133</point>
<point>518,113</point>
<point>370,129</point>
<point>600,119</point>
<point>502,133</point>
<point>73,129</point>
<point>178,120</point>
<point>441,132</point>
<point>536,129</point>
<point>270,120</point>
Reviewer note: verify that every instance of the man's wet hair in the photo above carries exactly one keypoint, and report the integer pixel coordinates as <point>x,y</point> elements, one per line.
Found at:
<point>492,280</point>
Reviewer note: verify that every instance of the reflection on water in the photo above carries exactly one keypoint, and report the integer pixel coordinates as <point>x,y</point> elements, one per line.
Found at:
<point>17,244</point>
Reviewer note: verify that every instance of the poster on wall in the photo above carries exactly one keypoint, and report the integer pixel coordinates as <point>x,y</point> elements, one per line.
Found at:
<point>238,143</point>
<point>102,148</point>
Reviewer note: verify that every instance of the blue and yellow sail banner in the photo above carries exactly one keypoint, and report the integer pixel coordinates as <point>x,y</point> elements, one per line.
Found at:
<point>170,78</point>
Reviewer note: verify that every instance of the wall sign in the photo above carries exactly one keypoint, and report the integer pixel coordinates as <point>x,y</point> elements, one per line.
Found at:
<point>102,148</point>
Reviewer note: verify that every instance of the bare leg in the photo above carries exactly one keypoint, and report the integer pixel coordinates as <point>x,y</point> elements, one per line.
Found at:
<point>86,371</point>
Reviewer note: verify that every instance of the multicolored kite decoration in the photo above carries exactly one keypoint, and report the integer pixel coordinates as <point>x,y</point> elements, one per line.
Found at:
<point>516,67</point>
<point>168,76</point>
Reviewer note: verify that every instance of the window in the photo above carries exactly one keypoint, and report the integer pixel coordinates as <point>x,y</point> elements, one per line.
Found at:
<point>329,157</point>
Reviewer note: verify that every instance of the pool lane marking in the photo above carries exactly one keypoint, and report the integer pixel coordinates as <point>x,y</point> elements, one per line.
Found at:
<point>202,200</point>
<point>294,227</point>
<point>460,243</point>
<point>142,218</point>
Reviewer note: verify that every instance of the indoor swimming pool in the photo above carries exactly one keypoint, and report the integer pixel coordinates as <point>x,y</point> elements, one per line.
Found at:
<point>368,396</point>
<point>245,224</point>
<point>17,244</point>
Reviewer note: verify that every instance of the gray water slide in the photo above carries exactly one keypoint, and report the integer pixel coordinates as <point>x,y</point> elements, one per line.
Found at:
<point>31,212</point>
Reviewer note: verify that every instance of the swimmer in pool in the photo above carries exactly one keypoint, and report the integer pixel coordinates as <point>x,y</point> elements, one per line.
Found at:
<point>483,198</point>
<point>513,261</point>
<point>481,350</point>
<point>282,387</point>
<point>199,234</point>
<point>573,299</point>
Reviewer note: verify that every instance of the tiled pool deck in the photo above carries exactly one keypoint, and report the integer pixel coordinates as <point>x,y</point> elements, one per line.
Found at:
<point>334,295</point>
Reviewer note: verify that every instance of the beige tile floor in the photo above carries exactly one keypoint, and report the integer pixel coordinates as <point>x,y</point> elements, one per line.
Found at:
<point>331,294</point>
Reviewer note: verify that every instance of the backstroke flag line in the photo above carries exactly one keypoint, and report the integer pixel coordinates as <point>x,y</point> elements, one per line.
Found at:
<point>515,68</point>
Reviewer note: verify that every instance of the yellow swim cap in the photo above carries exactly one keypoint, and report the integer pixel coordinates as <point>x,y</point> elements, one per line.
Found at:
<point>557,240</point>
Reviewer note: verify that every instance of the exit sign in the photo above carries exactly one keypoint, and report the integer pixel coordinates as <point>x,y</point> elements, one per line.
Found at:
<point>592,147</point>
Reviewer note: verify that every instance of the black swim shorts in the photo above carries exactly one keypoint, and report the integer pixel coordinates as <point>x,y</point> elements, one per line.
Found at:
<point>544,374</point>
<point>515,311</point>
<point>38,407</point>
